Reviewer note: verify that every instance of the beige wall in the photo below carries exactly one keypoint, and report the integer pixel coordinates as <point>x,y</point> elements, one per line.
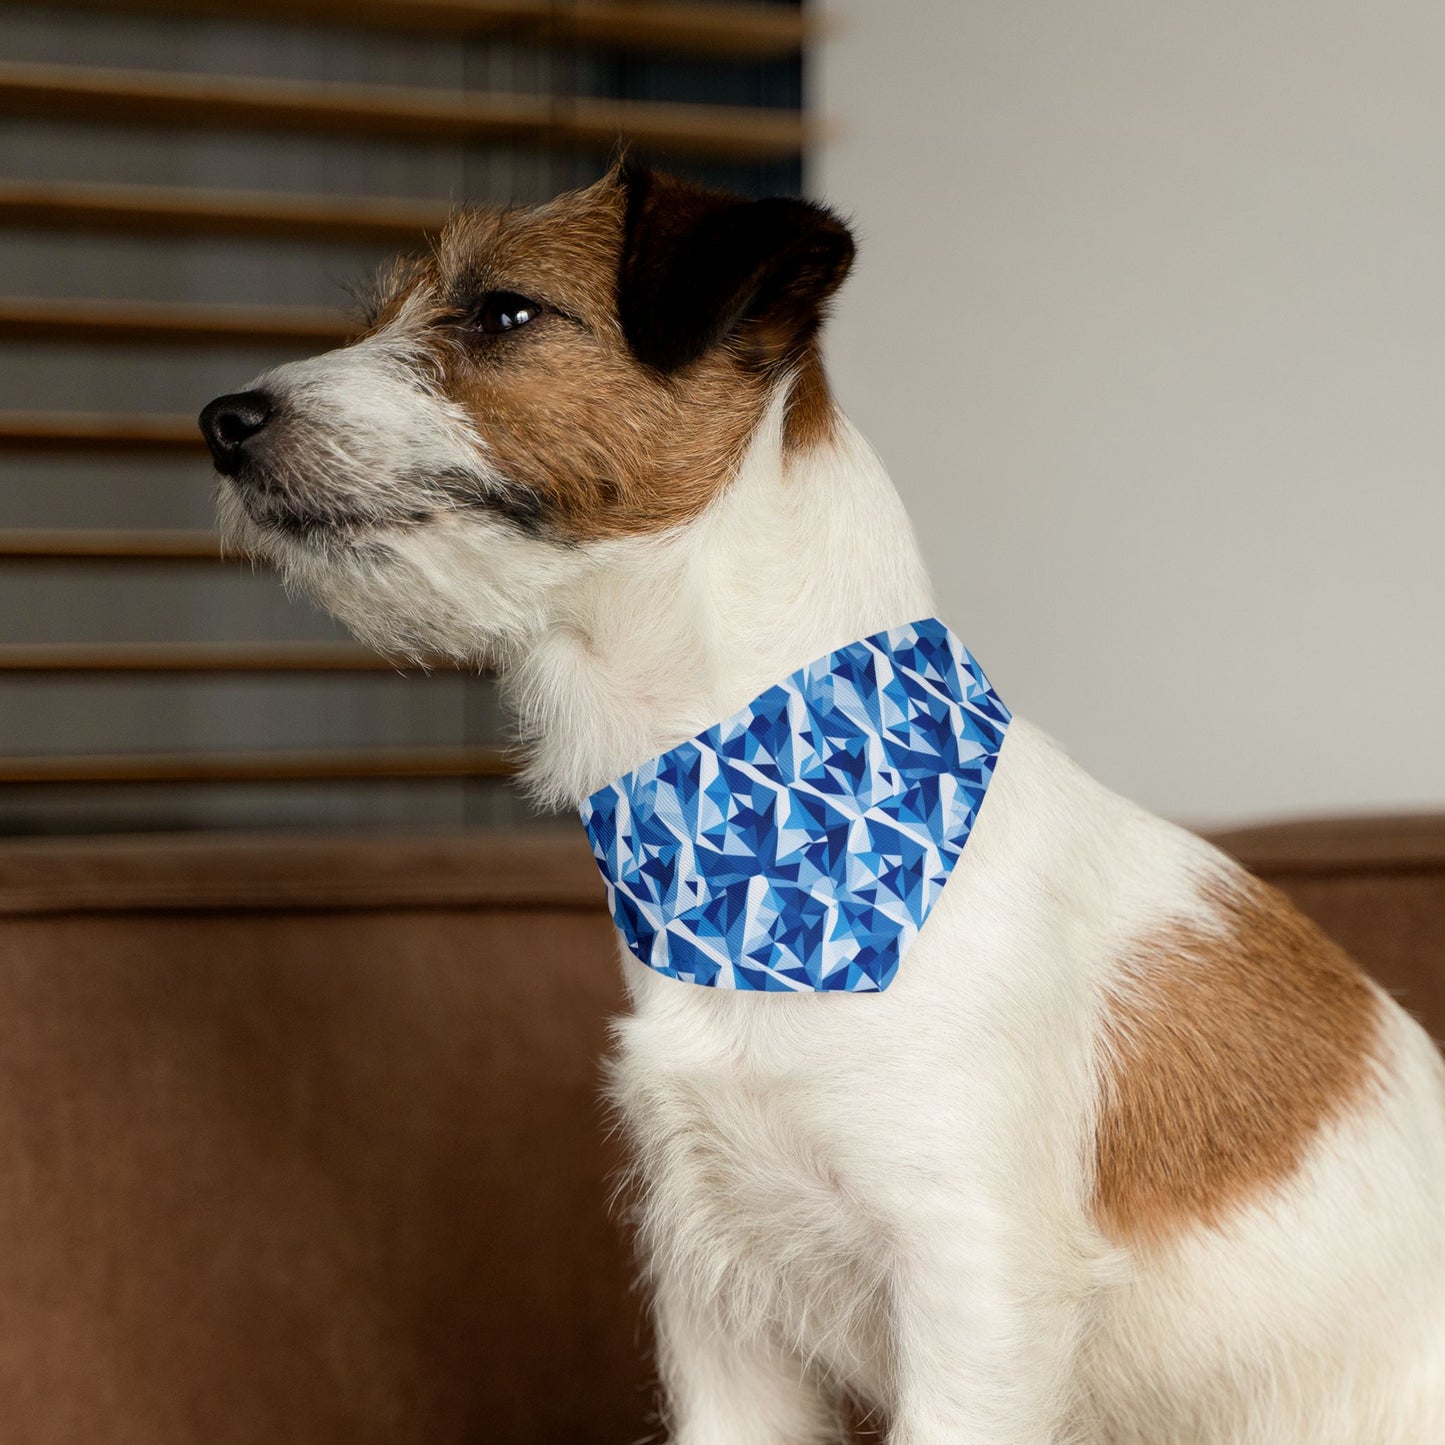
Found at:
<point>1149,323</point>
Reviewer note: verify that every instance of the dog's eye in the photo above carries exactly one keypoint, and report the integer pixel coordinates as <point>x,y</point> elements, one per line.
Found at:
<point>504,311</point>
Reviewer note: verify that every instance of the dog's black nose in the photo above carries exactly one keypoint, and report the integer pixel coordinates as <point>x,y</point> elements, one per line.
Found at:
<point>229,422</point>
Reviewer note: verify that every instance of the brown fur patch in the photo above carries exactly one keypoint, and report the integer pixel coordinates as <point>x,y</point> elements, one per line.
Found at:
<point>605,445</point>
<point>1227,1052</point>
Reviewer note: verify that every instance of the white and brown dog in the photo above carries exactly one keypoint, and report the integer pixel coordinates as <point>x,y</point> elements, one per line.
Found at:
<point>1129,1153</point>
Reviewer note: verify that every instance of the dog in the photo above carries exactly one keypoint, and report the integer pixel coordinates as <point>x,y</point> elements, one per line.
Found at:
<point>1127,1152</point>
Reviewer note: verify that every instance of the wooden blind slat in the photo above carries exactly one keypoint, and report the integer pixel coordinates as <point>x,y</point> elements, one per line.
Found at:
<point>83,544</point>
<point>77,431</point>
<point>761,32</point>
<point>172,211</point>
<point>218,102</point>
<point>187,657</point>
<point>755,32</point>
<point>271,766</point>
<point>172,323</point>
<point>98,432</point>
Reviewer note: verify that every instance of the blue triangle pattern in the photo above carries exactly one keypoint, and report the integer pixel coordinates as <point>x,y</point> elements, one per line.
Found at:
<point>800,845</point>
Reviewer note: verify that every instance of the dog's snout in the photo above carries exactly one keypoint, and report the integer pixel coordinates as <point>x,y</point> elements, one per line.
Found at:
<point>229,422</point>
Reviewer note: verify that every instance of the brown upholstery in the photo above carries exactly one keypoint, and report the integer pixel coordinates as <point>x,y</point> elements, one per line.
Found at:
<point>300,1141</point>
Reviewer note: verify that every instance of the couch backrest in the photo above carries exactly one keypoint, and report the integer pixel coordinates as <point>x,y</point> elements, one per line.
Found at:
<point>1376,885</point>
<point>302,1142</point>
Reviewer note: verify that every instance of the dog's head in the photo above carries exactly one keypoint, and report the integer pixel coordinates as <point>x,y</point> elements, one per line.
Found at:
<point>545,384</point>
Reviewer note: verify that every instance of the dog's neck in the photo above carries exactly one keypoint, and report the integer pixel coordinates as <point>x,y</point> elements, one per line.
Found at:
<point>803,553</point>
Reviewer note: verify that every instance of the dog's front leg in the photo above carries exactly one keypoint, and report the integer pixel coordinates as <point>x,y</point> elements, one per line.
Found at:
<point>722,1386</point>
<point>985,1338</point>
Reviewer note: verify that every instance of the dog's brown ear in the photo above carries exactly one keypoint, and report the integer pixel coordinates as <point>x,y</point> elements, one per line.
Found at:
<point>699,266</point>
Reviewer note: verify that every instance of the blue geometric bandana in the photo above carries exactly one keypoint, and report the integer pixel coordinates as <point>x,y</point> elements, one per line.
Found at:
<point>800,845</point>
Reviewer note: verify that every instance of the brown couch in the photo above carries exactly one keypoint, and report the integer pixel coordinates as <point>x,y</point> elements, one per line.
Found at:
<point>302,1141</point>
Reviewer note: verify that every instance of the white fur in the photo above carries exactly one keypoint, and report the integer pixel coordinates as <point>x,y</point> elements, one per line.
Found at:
<point>889,1195</point>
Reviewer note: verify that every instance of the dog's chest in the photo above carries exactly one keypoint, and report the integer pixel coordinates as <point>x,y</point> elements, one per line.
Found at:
<point>747,1177</point>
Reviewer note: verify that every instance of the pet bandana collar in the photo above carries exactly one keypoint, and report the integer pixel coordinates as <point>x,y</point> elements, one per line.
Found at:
<point>800,845</point>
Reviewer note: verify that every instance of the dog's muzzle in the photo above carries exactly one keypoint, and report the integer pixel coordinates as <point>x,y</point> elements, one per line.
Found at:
<point>232,422</point>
